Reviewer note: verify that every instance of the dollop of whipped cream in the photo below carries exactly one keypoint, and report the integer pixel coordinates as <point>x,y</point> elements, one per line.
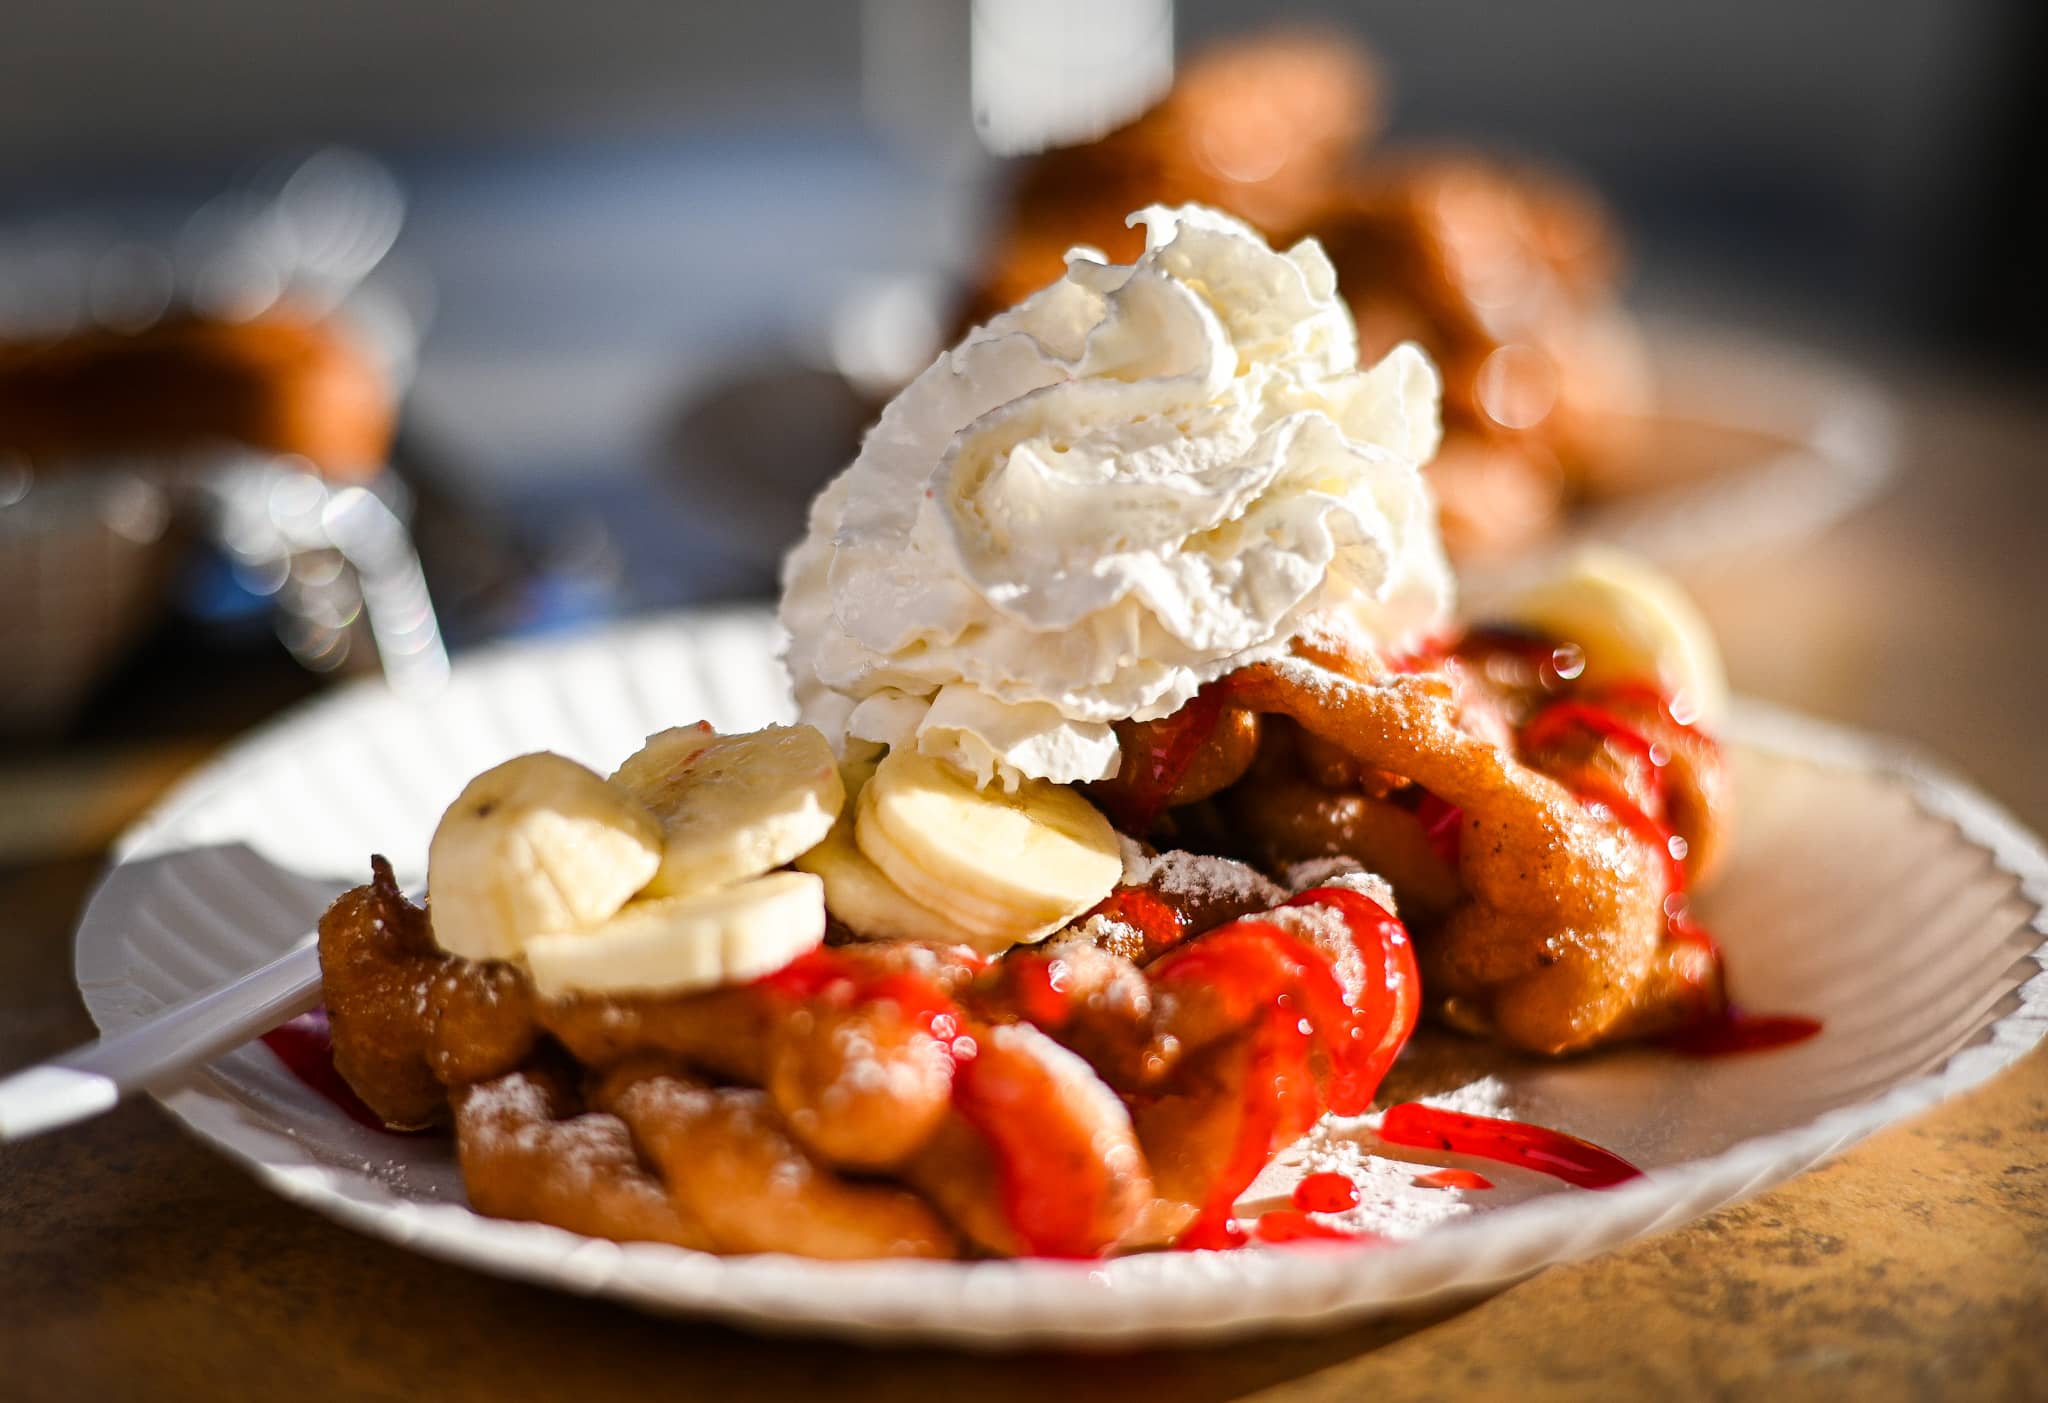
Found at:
<point>1132,483</point>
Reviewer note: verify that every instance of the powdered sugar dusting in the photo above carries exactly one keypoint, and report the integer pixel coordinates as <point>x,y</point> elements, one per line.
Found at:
<point>1310,677</point>
<point>1343,873</point>
<point>512,1115</point>
<point>1391,1201</point>
<point>1197,879</point>
<point>1323,926</point>
<point>1104,931</point>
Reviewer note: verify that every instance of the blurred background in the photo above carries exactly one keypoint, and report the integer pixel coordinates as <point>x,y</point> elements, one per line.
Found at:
<point>624,283</point>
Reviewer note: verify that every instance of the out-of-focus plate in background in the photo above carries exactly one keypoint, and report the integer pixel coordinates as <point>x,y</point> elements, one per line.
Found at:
<point>1754,443</point>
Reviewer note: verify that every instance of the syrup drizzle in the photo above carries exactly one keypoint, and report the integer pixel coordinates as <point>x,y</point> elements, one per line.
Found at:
<point>1293,1225</point>
<point>1556,723</point>
<point>1255,965</point>
<point>1724,1032</point>
<point>1551,1152</point>
<point>1734,1032</point>
<point>1050,1220</point>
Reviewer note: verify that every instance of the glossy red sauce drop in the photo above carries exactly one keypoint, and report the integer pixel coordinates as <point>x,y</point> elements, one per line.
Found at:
<point>306,1047</point>
<point>1453,1179</point>
<point>1734,1032</point>
<point>1212,1235</point>
<point>1293,1225</point>
<point>1550,1152</point>
<point>1327,1192</point>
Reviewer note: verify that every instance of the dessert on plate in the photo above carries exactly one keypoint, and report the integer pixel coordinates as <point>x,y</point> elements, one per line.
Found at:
<point>1144,796</point>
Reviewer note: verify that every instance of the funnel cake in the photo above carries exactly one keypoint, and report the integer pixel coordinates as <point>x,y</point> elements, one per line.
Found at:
<point>1132,717</point>
<point>1116,1086</point>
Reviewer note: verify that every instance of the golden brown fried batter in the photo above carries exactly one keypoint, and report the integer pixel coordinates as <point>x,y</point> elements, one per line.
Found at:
<point>730,1161</point>
<point>1562,940</point>
<point>862,1087</point>
<point>1287,822</point>
<point>407,1019</point>
<point>724,1033</point>
<point>665,1153</point>
<point>528,1152</point>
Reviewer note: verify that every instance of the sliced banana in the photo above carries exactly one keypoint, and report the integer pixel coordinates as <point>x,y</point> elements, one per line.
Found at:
<point>1004,867</point>
<point>733,807</point>
<point>671,944</point>
<point>535,846</point>
<point>1633,623</point>
<point>856,893</point>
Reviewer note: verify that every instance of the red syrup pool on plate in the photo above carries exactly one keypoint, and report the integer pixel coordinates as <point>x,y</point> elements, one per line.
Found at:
<point>1293,1225</point>
<point>306,1048</point>
<point>1732,1033</point>
<point>1551,1152</point>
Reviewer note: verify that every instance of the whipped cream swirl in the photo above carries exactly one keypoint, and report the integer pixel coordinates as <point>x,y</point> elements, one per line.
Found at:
<point>1132,483</point>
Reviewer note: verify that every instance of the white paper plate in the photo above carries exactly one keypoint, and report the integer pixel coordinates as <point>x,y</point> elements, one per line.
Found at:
<point>1867,889</point>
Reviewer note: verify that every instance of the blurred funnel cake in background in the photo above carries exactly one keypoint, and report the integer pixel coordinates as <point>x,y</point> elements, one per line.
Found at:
<point>283,383</point>
<point>1507,276</point>
<point>227,377</point>
<point>1262,129</point>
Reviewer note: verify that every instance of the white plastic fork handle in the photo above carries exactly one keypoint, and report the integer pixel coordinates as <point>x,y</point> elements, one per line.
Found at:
<point>90,1079</point>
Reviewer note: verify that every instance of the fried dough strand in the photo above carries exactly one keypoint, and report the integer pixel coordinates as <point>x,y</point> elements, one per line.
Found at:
<point>528,1153</point>
<point>407,1019</point>
<point>1562,940</point>
<point>731,1164</point>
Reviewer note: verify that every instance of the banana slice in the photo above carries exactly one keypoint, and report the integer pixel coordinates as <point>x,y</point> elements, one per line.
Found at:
<point>856,892</point>
<point>1634,624</point>
<point>1005,868</point>
<point>671,944</point>
<point>535,846</point>
<point>733,807</point>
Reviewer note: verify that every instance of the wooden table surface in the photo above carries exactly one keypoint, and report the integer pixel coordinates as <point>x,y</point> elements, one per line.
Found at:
<point>135,1264</point>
